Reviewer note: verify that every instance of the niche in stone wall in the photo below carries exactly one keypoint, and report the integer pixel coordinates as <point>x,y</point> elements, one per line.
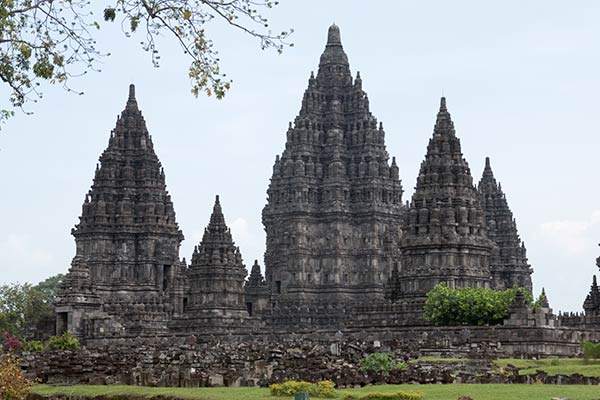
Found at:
<point>166,277</point>
<point>62,322</point>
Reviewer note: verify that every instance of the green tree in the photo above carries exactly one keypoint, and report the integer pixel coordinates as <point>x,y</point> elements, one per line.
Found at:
<point>49,287</point>
<point>54,40</point>
<point>591,350</point>
<point>471,306</point>
<point>22,308</point>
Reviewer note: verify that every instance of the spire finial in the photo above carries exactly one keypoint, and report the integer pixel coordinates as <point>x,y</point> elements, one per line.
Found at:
<point>443,104</point>
<point>131,101</point>
<point>487,179</point>
<point>544,299</point>
<point>217,217</point>
<point>333,36</point>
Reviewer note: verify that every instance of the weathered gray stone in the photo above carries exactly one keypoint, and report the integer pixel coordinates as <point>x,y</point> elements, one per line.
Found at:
<point>334,205</point>
<point>344,255</point>
<point>508,259</point>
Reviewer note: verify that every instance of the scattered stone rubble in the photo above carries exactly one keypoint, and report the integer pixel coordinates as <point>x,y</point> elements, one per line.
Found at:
<point>189,362</point>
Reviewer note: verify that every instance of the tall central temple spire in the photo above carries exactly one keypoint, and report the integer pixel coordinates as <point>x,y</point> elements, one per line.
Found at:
<point>335,201</point>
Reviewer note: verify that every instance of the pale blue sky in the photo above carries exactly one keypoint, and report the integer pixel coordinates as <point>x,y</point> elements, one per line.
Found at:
<point>521,78</point>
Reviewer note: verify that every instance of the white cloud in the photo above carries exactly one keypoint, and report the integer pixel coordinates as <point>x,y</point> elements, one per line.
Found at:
<point>239,230</point>
<point>251,244</point>
<point>574,236</point>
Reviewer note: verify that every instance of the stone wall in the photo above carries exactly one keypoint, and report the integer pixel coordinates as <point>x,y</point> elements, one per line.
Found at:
<point>264,359</point>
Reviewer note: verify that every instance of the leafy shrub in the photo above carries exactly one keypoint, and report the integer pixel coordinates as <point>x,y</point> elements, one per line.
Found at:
<point>66,341</point>
<point>402,395</point>
<point>13,385</point>
<point>590,350</point>
<point>324,389</point>
<point>290,388</point>
<point>380,362</point>
<point>11,342</point>
<point>33,346</point>
<point>472,306</point>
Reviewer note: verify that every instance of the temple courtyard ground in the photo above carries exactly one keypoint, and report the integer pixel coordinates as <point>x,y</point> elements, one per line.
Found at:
<point>432,392</point>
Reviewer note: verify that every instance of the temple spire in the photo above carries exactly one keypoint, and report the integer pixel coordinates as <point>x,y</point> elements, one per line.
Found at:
<point>508,261</point>
<point>217,217</point>
<point>333,36</point>
<point>128,206</point>
<point>334,160</point>
<point>445,217</point>
<point>443,124</point>
<point>488,182</point>
<point>216,276</point>
<point>544,299</point>
<point>131,100</point>
<point>333,65</point>
<point>591,305</point>
<point>488,168</point>
<point>256,278</point>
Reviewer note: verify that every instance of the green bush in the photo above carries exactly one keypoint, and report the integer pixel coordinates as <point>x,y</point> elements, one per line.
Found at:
<point>33,346</point>
<point>290,388</point>
<point>471,306</point>
<point>590,350</point>
<point>402,395</point>
<point>380,362</point>
<point>66,341</point>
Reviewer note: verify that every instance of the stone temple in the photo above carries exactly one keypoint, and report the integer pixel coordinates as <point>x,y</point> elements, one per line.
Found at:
<point>344,252</point>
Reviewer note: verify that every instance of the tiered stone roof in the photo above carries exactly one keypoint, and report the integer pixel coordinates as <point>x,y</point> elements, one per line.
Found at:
<point>256,277</point>
<point>508,261</point>
<point>127,238</point>
<point>217,272</point>
<point>445,232</point>
<point>591,305</point>
<point>129,192</point>
<point>334,199</point>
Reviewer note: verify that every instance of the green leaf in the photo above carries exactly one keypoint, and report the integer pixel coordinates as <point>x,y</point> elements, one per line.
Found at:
<point>110,14</point>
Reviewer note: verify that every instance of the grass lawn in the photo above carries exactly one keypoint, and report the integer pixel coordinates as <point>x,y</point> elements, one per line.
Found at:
<point>436,359</point>
<point>432,392</point>
<point>554,366</point>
